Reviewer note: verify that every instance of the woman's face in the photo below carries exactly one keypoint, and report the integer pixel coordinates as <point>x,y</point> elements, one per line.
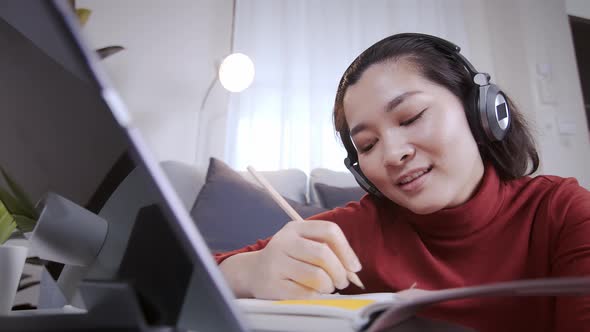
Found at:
<point>413,140</point>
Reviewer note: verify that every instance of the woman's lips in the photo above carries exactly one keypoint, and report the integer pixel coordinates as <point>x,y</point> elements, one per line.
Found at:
<point>415,181</point>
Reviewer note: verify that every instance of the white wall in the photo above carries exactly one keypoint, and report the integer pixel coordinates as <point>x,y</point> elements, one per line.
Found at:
<point>171,48</point>
<point>516,41</point>
<point>525,44</point>
<point>579,8</point>
<point>534,61</point>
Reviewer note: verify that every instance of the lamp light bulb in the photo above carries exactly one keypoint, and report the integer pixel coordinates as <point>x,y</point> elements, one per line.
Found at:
<point>236,72</point>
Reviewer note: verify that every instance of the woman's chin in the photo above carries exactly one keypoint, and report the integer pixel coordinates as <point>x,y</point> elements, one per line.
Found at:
<point>419,206</point>
<point>425,199</point>
<point>424,209</point>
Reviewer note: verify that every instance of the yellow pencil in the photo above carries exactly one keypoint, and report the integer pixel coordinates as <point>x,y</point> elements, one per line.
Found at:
<point>292,213</point>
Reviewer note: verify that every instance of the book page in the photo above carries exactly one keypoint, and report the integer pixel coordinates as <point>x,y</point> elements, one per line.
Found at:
<point>404,304</point>
<point>333,305</point>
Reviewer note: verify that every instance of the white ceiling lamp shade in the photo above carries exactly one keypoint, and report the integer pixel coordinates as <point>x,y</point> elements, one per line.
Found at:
<point>236,72</point>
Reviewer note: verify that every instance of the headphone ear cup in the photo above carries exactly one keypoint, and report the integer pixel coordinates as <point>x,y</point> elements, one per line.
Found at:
<point>482,111</point>
<point>473,114</point>
<point>488,113</point>
<point>494,112</point>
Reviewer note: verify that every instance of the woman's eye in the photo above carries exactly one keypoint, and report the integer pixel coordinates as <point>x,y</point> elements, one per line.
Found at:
<point>366,147</point>
<point>410,121</point>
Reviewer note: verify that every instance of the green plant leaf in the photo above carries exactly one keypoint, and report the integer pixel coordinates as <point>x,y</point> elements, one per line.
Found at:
<point>108,51</point>
<point>83,15</point>
<point>7,223</point>
<point>24,223</point>
<point>21,196</point>
<point>10,202</point>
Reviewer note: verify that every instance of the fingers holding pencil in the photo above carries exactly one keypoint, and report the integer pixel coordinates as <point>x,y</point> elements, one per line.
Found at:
<point>329,233</point>
<point>325,232</point>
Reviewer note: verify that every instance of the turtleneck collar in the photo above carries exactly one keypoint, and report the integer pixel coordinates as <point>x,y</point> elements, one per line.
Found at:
<point>462,220</point>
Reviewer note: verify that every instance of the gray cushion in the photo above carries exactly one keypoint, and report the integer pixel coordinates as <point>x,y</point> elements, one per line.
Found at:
<point>328,177</point>
<point>331,197</point>
<point>231,212</point>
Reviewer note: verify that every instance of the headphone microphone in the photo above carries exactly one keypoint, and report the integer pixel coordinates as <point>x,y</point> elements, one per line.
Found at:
<point>360,178</point>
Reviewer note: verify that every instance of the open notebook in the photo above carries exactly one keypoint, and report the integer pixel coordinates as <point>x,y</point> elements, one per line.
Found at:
<point>378,311</point>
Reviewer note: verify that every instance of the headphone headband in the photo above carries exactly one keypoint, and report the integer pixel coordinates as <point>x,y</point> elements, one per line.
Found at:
<point>449,48</point>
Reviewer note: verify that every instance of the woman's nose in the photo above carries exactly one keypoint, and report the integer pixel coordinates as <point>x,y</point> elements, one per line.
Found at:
<point>398,151</point>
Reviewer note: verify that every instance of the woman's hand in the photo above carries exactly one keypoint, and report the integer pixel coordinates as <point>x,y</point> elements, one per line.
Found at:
<point>300,261</point>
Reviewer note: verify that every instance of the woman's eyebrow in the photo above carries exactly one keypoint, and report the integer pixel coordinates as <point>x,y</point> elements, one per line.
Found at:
<point>395,102</point>
<point>358,128</point>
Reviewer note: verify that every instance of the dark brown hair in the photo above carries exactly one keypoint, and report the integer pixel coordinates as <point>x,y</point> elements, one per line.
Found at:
<point>513,157</point>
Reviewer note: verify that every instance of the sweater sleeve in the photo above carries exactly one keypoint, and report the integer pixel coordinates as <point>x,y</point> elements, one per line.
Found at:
<point>260,244</point>
<point>570,204</point>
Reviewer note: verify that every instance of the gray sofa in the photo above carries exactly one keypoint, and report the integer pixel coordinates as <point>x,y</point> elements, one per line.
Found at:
<point>291,183</point>
<point>253,215</point>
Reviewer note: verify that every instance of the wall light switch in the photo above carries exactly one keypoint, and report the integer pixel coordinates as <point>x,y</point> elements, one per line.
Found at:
<point>566,127</point>
<point>545,70</point>
<point>545,85</point>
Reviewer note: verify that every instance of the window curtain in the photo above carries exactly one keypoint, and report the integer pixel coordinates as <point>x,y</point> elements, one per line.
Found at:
<point>300,50</point>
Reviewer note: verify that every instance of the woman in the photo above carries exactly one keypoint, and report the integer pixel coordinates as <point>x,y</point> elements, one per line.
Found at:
<point>445,157</point>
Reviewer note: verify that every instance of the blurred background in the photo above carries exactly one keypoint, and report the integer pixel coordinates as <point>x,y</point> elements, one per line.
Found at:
<point>167,74</point>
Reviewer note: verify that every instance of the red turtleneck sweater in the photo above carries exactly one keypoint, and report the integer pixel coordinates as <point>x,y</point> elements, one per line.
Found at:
<point>521,229</point>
